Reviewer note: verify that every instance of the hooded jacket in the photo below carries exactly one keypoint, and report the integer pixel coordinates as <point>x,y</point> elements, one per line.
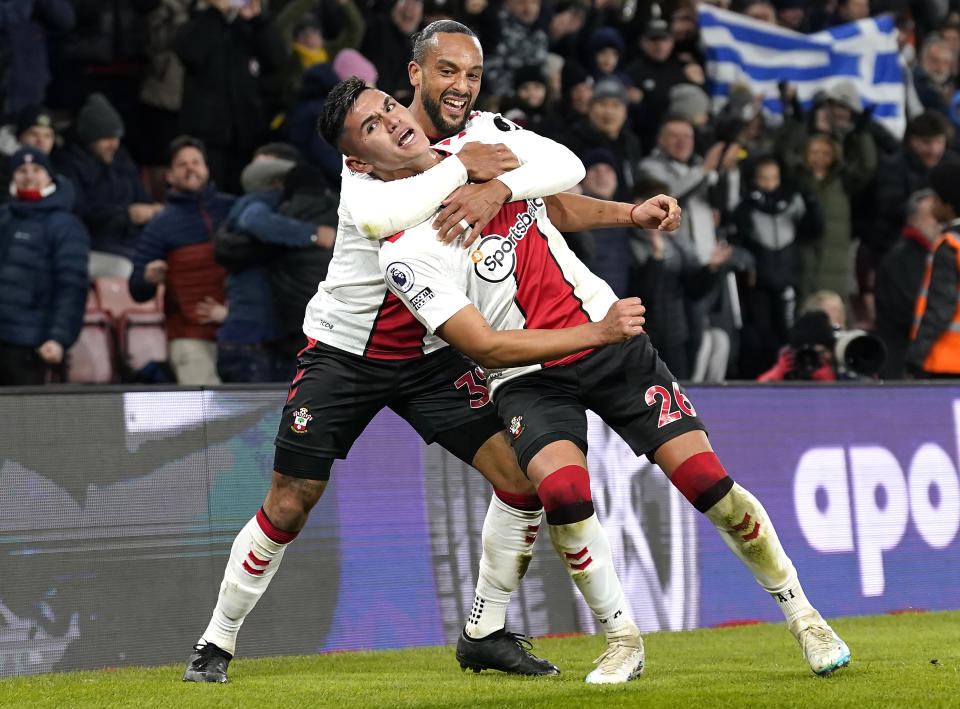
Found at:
<point>43,270</point>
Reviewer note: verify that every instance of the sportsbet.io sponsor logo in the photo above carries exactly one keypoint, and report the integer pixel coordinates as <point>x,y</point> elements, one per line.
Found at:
<point>401,275</point>
<point>495,257</point>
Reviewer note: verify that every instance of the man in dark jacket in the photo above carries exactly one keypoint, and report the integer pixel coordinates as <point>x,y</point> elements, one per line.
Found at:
<point>111,199</point>
<point>23,47</point>
<point>225,50</point>
<point>899,278</point>
<point>176,248</point>
<point>43,271</point>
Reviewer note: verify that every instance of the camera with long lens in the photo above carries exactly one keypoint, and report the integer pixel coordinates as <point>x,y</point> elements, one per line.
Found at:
<point>856,353</point>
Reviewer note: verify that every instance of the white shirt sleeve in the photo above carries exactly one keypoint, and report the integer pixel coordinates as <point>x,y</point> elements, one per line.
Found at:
<point>546,167</point>
<point>386,208</point>
<point>425,275</point>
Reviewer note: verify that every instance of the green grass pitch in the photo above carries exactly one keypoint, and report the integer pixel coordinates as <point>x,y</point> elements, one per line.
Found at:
<point>908,660</point>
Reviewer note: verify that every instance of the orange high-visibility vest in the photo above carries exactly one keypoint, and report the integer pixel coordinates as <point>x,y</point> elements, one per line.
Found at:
<point>944,356</point>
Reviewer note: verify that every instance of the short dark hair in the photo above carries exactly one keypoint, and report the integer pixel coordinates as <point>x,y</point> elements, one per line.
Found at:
<point>763,161</point>
<point>422,38</point>
<point>181,142</point>
<point>928,124</point>
<point>339,101</point>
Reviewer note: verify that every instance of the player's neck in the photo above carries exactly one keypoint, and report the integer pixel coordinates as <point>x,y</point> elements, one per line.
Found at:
<point>419,164</point>
<point>423,120</point>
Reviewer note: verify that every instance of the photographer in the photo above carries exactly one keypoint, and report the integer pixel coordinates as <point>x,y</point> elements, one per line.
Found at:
<point>820,349</point>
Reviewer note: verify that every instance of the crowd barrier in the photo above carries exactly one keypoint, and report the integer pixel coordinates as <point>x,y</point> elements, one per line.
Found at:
<point>118,508</point>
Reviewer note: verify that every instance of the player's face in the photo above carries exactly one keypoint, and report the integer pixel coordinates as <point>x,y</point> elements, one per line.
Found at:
<point>448,81</point>
<point>382,133</point>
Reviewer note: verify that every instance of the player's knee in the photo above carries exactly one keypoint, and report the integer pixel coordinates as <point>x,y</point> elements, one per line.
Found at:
<point>565,494</point>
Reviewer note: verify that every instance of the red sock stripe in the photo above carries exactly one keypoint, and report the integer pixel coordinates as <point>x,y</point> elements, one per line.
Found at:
<point>250,570</point>
<point>273,534</point>
<point>578,555</point>
<point>257,560</point>
<point>697,474</point>
<point>744,523</point>
<point>582,566</point>
<point>527,503</point>
<point>566,486</point>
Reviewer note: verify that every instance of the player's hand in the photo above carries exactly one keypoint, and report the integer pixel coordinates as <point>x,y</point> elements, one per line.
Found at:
<point>623,321</point>
<point>51,352</point>
<point>155,272</point>
<point>486,161</point>
<point>660,212</point>
<point>326,237</point>
<point>468,210</point>
<point>210,311</point>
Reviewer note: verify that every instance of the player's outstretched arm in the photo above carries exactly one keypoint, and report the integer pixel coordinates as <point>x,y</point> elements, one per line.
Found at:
<point>469,332</point>
<point>573,212</point>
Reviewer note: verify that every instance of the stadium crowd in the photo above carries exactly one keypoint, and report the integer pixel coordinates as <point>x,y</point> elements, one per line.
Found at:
<point>172,145</point>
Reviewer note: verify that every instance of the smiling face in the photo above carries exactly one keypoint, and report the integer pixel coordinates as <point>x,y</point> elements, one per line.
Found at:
<point>379,133</point>
<point>447,83</point>
<point>31,177</point>
<point>188,171</point>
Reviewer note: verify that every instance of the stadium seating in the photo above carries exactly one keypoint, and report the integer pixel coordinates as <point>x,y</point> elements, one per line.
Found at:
<point>91,359</point>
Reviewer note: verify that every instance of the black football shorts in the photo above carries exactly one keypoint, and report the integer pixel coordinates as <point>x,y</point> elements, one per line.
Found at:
<point>335,394</point>
<point>627,385</point>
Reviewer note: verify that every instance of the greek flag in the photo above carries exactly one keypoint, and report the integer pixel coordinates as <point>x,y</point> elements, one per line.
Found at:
<point>741,50</point>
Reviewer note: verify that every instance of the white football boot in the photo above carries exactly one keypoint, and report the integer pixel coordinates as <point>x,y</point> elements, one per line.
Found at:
<point>822,648</point>
<point>623,660</point>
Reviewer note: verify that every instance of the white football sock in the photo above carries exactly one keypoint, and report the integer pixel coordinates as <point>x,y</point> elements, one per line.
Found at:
<point>584,550</point>
<point>747,530</point>
<point>508,536</point>
<point>254,559</point>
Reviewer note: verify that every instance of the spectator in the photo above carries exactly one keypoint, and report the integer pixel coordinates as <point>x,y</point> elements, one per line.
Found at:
<point>111,199</point>
<point>176,249</point>
<point>161,87</point>
<point>605,127</point>
<point>899,278</point>
<point>934,349</point>
<point>254,340</point>
<point>302,33</point>
<point>669,277</point>
<point>388,42</point>
<point>612,261</point>
<point>528,106</point>
<point>654,71</point>
<point>225,50</point>
<point>825,257</point>
<point>690,178</point>
<point>301,126</point>
<point>573,104</point>
<point>761,10</point>
<point>933,77</point>
<point>43,271</point>
<point>520,42</point>
<point>770,220</point>
<point>24,71</point>
<point>851,11</point>
<point>924,145</point>
<point>34,126</point>
<point>606,49</point>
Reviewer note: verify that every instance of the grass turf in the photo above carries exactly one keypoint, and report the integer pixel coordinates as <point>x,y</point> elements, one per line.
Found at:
<point>907,660</point>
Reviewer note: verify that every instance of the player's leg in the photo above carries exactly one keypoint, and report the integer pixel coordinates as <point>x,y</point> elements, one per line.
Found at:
<point>549,430</point>
<point>747,530</point>
<point>443,397</point>
<point>635,393</point>
<point>331,400</point>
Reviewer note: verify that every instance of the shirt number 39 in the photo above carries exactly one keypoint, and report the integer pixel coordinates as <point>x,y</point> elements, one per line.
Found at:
<point>667,414</point>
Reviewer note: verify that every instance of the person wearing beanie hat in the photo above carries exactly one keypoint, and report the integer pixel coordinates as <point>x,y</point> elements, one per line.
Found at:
<point>527,106</point>
<point>689,101</point>
<point>256,342</point>
<point>350,62</point>
<point>43,271</point>
<point>606,48</point>
<point>111,198</point>
<point>35,127</point>
<point>934,349</point>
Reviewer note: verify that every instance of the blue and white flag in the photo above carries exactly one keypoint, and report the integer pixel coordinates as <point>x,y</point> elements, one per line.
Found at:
<point>741,50</point>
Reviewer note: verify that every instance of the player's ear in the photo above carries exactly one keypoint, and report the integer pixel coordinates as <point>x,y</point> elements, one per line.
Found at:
<point>414,72</point>
<point>357,165</point>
